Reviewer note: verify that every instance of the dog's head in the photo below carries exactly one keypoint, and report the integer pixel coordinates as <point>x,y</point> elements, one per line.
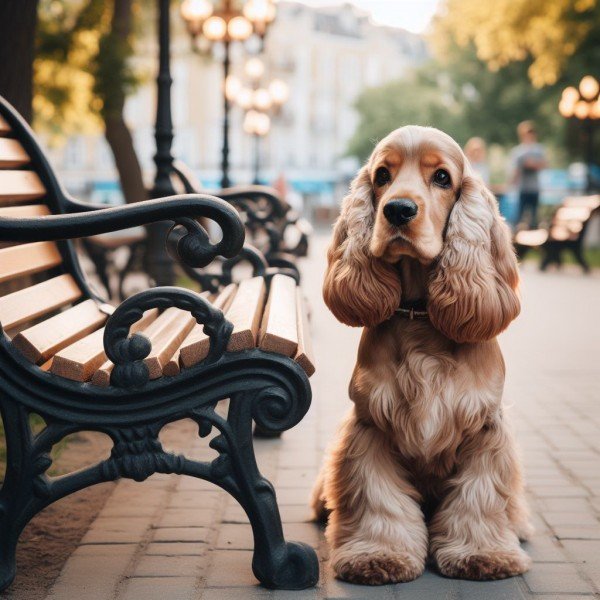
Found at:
<point>417,196</point>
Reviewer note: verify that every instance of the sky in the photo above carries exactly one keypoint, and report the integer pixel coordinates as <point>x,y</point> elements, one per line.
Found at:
<point>413,15</point>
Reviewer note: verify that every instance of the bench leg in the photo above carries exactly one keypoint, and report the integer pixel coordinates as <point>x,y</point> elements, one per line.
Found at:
<point>21,497</point>
<point>276,563</point>
<point>578,253</point>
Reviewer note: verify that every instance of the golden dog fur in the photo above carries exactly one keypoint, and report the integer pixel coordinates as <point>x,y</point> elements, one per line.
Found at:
<point>425,462</point>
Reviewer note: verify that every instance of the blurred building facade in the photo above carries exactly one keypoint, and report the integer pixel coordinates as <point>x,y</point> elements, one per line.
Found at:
<point>327,56</point>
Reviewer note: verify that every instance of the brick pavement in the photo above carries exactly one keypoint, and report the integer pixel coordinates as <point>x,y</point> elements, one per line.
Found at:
<point>175,538</point>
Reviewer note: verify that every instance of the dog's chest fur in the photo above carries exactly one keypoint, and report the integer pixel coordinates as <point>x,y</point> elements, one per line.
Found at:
<point>426,392</point>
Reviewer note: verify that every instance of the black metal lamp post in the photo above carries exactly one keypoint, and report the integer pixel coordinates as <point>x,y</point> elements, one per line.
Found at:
<point>583,103</point>
<point>226,21</point>
<point>158,263</point>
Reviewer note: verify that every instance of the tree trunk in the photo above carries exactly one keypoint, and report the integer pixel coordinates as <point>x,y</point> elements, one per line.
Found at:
<point>117,133</point>
<point>18,19</point>
<point>120,141</point>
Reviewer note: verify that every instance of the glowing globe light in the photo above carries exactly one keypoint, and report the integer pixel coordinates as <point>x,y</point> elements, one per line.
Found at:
<point>245,98</point>
<point>279,91</point>
<point>239,28</point>
<point>196,11</point>
<point>215,28</point>
<point>254,68</point>
<point>581,110</point>
<point>232,87</point>
<point>262,99</point>
<point>589,87</point>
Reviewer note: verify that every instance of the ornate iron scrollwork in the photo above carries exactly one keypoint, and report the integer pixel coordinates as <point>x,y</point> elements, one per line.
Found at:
<point>128,353</point>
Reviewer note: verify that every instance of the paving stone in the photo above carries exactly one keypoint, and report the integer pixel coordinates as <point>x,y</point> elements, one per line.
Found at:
<point>505,589</point>
<point>235,537</point>
<point>574,532</point>
<point>235,593</point>
<point>296,513</point>
<point>293,496</point>
<point>556,578</point>
<point>570,518</point>
<point>565,504</point>
<point>186,517</point>
<point>159,588</point>
<point>114,530</point>
<point>168,566</point>
<point>176,548</point>
<point>196,499</point>
<point>81,576</point>
<point>231,568</point>
<point>181,534</point>
<point>545,548</point>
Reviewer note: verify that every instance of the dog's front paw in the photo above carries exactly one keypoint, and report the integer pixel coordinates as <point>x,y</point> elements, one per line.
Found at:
<point>379,569</point>
<point>495,564</point>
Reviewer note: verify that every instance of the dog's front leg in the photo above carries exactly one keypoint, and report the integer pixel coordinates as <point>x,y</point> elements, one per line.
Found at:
<point>376,528</point>
<point>472,536</point>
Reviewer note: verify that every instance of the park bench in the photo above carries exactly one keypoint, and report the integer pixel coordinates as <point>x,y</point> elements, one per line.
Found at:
<point>163,355</point>
<point>280,233</point>
<point>566,232</point>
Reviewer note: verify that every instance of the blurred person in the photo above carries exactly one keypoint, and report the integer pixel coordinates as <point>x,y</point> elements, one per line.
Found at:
<point>526,161</point>
<point>476,152</point>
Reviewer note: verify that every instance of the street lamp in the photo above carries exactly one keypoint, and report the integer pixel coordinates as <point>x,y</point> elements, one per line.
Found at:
<point>583,103</point>
<point>257,124</point>
<point>226,21</point>
<point>260,102</point>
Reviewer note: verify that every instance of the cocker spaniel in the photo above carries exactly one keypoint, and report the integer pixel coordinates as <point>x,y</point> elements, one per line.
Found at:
<point>425,462</point>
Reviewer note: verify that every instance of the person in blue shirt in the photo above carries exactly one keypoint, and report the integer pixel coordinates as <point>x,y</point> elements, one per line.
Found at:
<point>527,160</point>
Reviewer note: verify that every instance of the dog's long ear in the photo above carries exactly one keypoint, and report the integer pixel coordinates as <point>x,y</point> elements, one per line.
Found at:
<point>359,289</point>
<point>473,291</point>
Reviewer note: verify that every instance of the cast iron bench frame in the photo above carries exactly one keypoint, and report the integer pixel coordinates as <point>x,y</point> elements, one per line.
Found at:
<point>268,388</point>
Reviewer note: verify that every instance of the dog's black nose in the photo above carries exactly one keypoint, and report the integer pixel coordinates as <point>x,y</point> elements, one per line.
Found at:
<point>400,211</point>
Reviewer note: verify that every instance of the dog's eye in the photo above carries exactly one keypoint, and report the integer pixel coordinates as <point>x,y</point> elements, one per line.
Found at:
<point>442,178</point>
<point>382,176</point>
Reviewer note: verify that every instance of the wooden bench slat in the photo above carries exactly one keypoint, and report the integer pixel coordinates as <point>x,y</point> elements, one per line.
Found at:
<point>167,339</point>
<point>101,377</point>
<point>245,313</point>
<point>279,329</point>
<point>171,367</point>
<point>38,300</point>
<point>196,345</point>
<point>4,127</point>
<point>40,342</point>
<point>25,210</point>
<point>81,360</point>
<point>26,259</point>
<point>20,186</point>
<point>304,355</point>
<point>12,154</point>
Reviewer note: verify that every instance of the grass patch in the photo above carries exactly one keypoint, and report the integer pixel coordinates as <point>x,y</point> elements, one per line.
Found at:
<point>37,424</point>
<point>592,255</point>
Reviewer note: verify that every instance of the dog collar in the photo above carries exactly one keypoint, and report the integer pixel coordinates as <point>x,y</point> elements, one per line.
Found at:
<point>413,310</point>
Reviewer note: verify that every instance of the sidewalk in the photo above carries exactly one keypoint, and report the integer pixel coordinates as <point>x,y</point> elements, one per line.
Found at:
<point>175,538</point>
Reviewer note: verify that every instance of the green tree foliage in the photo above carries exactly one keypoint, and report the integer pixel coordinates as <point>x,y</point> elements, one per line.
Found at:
<point>493,66</point>
<point>554,36</point>
<point>463,98</point>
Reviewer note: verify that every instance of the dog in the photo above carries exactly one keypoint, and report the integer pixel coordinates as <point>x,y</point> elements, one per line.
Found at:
<point>425,463</point>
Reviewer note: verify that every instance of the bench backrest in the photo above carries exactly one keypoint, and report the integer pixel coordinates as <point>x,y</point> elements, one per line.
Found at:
<point>36,279</point>
<point>572,217</point>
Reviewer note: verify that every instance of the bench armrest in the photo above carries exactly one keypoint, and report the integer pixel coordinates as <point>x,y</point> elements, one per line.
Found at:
<point>194,248</point>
